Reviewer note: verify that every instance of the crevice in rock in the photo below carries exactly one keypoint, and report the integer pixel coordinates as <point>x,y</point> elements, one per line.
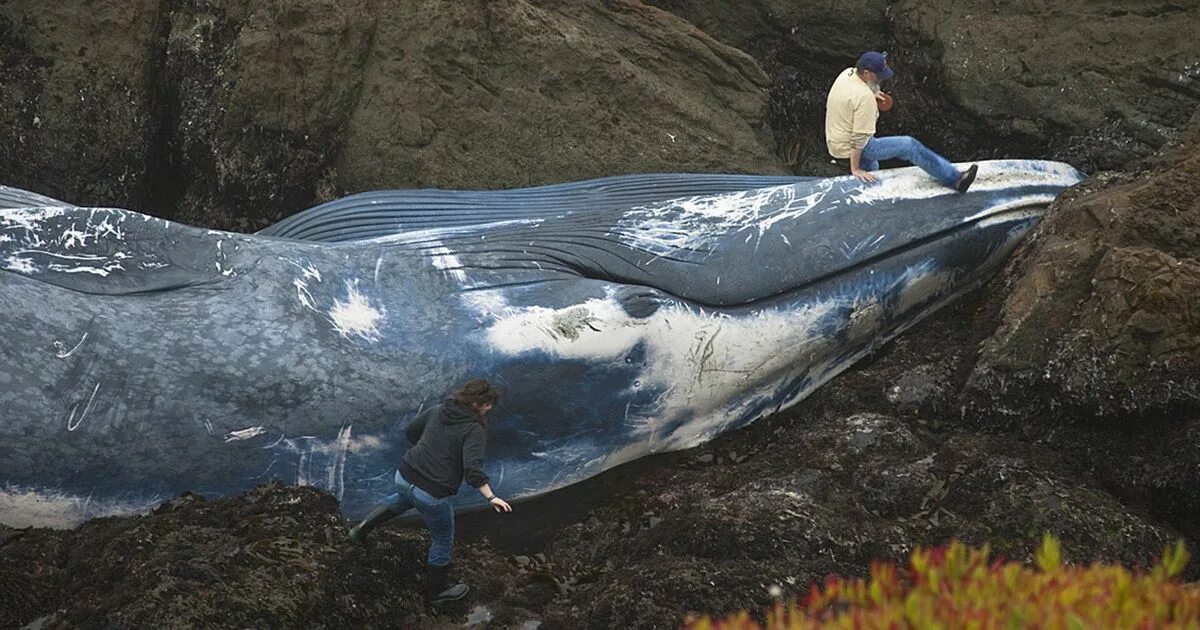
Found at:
<point>164,186</point>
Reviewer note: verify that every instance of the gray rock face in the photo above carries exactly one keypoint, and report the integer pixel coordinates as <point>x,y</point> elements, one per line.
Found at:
<point>1097,84</point>
<point>232,114</point>
<point>517,93</point>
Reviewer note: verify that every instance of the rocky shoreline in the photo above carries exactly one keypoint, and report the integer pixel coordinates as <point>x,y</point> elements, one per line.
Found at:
<point>1063,397</point>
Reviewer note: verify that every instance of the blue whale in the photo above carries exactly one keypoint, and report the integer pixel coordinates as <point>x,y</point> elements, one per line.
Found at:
<point>621,317</point>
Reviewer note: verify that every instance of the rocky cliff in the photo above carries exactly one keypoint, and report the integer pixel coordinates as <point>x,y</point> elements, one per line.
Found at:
<point>1097,84</point>
<point>234,113</point>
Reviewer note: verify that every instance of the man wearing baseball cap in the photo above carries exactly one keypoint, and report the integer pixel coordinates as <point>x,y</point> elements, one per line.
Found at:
<point>850,115</point>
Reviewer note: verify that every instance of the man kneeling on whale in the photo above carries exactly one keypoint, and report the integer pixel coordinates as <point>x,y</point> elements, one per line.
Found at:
<point>850,115</point>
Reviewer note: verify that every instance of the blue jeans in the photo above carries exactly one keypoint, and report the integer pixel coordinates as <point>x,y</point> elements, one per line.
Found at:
<point>912,151</point>
<point>437,514</point>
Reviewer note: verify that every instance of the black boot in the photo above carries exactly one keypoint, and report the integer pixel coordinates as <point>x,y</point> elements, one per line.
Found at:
<point>377,517</point>
<point>439,590</point>
<point>966,179</point>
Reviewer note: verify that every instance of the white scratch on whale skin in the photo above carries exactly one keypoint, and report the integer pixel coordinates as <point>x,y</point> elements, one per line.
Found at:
<point>445,260</point>
<point>20,264</point>
<point>62,355</point>
<point>307,272</point>
<point>303,295</point>
<point>328,457</point>
<point>355,316</point>
<point>656,228</point>
<point>29,219</point>
<point>96,271</point>
<point>72,423</point>
<point>335,471</point>
<point>243,434</point>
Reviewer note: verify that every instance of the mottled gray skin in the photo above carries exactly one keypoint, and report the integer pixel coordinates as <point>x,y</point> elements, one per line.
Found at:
<point>145,358</point>
<point>149,384</point>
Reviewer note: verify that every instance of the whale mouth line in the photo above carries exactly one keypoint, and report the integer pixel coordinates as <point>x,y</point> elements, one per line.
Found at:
<point>116,291</point>
<point>1015,211</point>
<point>551,264</point>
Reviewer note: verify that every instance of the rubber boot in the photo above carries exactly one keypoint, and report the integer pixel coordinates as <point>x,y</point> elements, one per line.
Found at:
<point>439,590</point>
<point>377,517</point>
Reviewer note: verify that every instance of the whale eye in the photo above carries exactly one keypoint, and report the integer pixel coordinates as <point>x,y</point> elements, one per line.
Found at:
<point>637,384</point>
<point>628,360</point>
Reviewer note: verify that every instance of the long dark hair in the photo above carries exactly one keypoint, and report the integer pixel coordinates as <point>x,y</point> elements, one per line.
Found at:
<point>477,391</point>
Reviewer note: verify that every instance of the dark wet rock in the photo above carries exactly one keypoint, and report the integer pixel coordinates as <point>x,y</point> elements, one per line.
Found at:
<point>275,557</point>
<point>918,385</point>
<point>790,32</point>
<point>1101,316</point>
<point>257,99</point>
<point>875,489</point>
<point>521,93</point>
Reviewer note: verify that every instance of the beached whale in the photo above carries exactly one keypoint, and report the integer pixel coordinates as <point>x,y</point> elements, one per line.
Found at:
<point>620,317</point>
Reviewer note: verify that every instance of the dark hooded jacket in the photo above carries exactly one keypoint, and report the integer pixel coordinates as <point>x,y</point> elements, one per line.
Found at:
<point>448,446</point>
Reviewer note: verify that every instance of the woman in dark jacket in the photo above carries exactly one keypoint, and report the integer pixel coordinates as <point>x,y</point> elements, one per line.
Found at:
<point>448,446</point>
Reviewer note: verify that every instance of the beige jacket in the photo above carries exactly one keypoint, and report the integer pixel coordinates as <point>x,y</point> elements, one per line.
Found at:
<point>850,114</point>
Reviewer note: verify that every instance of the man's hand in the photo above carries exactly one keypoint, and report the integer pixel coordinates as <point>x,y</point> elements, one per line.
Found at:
<point>880,96</point>
<point>500,505</point>
<point>863,175</point>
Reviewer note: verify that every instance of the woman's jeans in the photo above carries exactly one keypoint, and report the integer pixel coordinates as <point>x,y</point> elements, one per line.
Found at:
<point>437,514</point>
<point>912,151</point>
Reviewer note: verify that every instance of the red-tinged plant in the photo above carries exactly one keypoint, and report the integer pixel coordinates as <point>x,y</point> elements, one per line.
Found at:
<point>959,587</point>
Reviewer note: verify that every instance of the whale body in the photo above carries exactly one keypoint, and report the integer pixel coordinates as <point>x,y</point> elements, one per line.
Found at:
<point>619,317</point>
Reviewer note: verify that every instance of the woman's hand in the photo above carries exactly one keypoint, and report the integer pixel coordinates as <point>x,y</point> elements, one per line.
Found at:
<point>498,504</point>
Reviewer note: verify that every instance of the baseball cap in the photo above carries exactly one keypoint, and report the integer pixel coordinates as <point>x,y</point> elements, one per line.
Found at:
<point>876,62</point>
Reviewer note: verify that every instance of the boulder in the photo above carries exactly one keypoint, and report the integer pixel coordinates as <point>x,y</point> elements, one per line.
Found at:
<point>1097,84</point>
<point>519,93</point>
<point>1101,313</point>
